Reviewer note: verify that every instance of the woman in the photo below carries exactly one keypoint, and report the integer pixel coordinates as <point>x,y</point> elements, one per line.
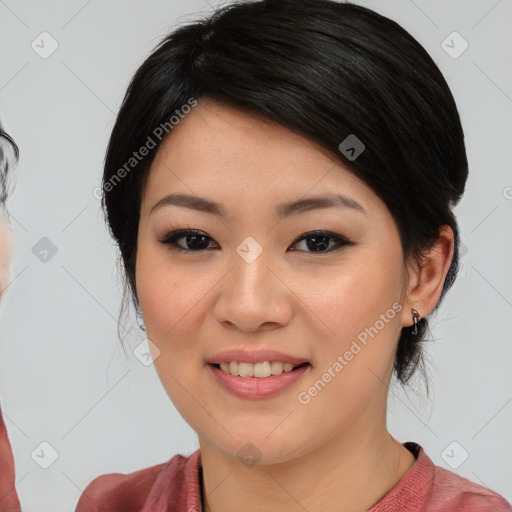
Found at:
<point>280,182</point>
<point>9,501</point>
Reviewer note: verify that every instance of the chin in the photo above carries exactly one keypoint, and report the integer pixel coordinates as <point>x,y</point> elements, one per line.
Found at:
<point>261,449</point>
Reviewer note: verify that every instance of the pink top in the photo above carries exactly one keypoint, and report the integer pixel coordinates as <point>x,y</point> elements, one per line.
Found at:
<point>175,486</point>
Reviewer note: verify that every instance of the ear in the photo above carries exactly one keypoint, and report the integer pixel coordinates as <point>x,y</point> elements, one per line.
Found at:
<point>427,279</point>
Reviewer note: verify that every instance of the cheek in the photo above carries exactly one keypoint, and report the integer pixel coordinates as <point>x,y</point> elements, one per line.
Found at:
<point>349,299</point>
<point>174,301</point>
<point>166,298</point>
<point>356,328</point>
<point>163,294</point>
<point>169,302</point>
<point>355,310</point>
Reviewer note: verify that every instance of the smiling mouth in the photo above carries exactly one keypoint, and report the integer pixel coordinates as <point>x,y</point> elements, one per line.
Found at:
<point>258,370</point>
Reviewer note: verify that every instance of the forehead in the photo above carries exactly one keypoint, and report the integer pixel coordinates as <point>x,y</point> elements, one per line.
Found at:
<point>217,150</point>
<point>223,133</point>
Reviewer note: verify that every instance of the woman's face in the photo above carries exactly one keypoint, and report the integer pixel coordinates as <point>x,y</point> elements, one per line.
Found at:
<point>251,284</point>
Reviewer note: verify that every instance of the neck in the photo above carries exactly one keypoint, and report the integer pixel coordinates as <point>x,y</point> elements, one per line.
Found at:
<point>332,478</point>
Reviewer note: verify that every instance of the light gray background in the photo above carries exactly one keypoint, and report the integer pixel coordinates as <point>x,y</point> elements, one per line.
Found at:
<point>64,378</point>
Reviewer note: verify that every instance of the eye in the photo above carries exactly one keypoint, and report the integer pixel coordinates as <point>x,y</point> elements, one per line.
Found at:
<point>196,241</point>
<point>320,240</point>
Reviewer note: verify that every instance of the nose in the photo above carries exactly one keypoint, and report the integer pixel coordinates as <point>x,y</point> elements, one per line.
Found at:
<point>254,296</point>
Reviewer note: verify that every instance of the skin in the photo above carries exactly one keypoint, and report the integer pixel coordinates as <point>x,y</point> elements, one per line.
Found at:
<point>317,456</point>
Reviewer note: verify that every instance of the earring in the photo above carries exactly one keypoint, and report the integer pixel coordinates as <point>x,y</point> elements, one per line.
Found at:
<point>140,322</point>
<point>416,317</point>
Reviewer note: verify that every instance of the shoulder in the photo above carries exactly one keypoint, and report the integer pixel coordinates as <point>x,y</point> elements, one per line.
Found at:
<point>126,492</point>
<point>452,492</point>
<point>446,491</point>
<point>430,488</point>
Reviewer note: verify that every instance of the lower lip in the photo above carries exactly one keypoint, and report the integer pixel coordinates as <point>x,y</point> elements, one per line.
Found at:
<point>255,387</point>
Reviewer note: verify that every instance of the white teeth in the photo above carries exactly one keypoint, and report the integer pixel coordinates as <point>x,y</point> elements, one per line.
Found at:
<point>233,368</point>
<point>246,369</point>
<point>287,367</point>
<point>260,370</point>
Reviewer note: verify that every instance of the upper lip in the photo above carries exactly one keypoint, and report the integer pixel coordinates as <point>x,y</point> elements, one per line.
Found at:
<point>255,356</point>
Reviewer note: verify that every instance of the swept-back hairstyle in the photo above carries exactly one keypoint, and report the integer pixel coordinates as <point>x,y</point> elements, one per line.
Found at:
<point>325,70</point>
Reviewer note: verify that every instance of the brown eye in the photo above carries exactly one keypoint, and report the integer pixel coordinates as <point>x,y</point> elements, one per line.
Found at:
<point>194,241</point>
<point>319,241</point>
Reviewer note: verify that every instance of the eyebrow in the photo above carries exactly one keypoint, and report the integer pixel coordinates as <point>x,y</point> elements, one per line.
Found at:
<point>202,204</point>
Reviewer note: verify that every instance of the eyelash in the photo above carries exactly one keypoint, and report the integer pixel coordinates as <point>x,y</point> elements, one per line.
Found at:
<point>171,238</point>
